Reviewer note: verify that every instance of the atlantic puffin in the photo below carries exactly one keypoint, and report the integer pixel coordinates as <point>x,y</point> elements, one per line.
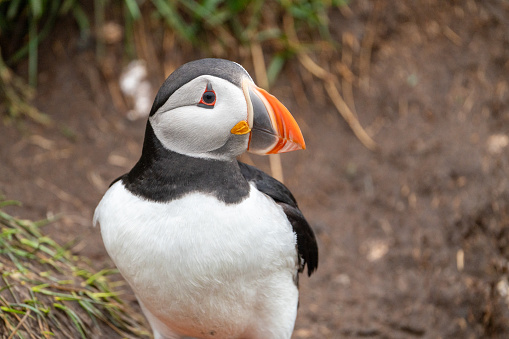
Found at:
<point>211,247</point>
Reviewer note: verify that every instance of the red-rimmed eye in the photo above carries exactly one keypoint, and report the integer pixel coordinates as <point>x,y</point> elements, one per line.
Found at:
<point>208,99</point>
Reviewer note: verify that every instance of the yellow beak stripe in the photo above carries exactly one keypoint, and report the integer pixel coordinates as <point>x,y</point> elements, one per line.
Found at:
<point>242,127</point>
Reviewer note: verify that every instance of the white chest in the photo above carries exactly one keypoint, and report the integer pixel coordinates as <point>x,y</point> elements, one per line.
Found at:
<point>198,256</point>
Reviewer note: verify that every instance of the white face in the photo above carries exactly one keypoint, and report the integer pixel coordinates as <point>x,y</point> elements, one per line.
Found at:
<point>187,128</point>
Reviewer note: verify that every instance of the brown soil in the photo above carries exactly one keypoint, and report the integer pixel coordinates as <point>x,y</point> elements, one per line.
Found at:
<point>413,238</point>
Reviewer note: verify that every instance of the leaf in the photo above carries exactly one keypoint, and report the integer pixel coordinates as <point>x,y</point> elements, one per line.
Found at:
<point>74,317</point>
<point>13,9</point>
<point>82,20</point>
<point>31,243</point>
<point>133,8</point>
<point>98,275</point>
<point>275,67</point>
<point>9,203</point>
<point>39,288</point>
<point>35,310</point>
<point>11,310</point>
<point>36,7</point>
<point>174,19</point>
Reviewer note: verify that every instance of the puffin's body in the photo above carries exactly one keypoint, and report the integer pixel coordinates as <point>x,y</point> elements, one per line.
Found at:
<point>212,247</point>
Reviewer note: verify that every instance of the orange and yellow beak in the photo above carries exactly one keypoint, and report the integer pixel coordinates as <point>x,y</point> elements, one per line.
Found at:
<point>273,129</point>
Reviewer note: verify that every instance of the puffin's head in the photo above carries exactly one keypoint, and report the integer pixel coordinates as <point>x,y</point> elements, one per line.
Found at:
<point>211,108</point>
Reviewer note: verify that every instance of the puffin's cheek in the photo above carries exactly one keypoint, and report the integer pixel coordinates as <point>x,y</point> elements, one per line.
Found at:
<point>201,136</point>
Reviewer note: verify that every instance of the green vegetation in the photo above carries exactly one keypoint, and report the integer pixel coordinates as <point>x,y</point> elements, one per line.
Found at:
<point>46,292</point>
<point>15,96</point>
<point>246,20</point>
<point>224,24</point>
<point>228,24</point>
<point>28,22</point>
<point>24,24</point>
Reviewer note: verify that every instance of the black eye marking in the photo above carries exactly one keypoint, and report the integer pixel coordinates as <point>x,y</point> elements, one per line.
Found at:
<point>208,99</point>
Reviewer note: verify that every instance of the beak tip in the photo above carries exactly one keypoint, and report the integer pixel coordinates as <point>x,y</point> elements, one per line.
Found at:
<point>274,128</point>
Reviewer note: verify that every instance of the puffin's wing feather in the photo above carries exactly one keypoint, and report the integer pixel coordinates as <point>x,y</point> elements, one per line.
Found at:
<point>306,241</point>
<point>268,185</point>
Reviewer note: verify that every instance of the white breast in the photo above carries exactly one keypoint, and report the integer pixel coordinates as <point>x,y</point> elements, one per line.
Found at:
<point>198,264</point>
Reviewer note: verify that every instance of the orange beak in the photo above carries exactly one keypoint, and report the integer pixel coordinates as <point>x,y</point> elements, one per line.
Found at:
<point>273,128</point>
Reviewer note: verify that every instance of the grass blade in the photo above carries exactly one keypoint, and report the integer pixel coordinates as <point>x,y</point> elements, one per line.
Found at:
<point>74,317</point>
<point>32,51</point>
<point>133,8</point>
<point>174,19</point>
<point>82,21</point>
<point>36,7</point>
<point>13,9</point>
<point>275,67</point>
<point>11,310</point>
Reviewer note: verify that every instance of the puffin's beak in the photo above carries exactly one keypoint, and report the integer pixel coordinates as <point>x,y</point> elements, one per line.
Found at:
<point>273,128</point>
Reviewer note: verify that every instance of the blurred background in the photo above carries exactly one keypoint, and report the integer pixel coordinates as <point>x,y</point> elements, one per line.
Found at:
<point>404,106</point>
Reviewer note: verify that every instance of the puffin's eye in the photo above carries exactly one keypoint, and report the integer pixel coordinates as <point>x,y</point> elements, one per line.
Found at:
<point>208,99</point>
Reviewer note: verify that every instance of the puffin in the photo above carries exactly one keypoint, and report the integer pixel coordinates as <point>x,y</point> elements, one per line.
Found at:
<point>212,247</point>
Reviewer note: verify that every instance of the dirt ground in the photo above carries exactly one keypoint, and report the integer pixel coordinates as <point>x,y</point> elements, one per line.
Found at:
<point>413,237</point>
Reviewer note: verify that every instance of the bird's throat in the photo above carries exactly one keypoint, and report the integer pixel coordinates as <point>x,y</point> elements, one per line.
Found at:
<point>163,175</point>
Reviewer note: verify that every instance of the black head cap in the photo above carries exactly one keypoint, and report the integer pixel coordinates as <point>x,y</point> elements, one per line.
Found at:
<point>220,68</point>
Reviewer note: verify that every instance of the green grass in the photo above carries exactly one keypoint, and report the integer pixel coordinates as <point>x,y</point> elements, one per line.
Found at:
<point>15,97</point>
<point>46,292</point>
<point>233,23</point>
<point>29,22</point>
<point>25,24</point>
<point>201,22</point>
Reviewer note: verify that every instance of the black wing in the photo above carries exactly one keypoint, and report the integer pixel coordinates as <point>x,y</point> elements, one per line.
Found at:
<point>306,241</point>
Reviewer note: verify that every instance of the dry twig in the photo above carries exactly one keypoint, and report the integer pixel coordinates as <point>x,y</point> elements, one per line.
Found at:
<point>15,94</point>
<point>329,82</point>
<point>343,67</point>
<point>21,322</point>
<point>367,47</point>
